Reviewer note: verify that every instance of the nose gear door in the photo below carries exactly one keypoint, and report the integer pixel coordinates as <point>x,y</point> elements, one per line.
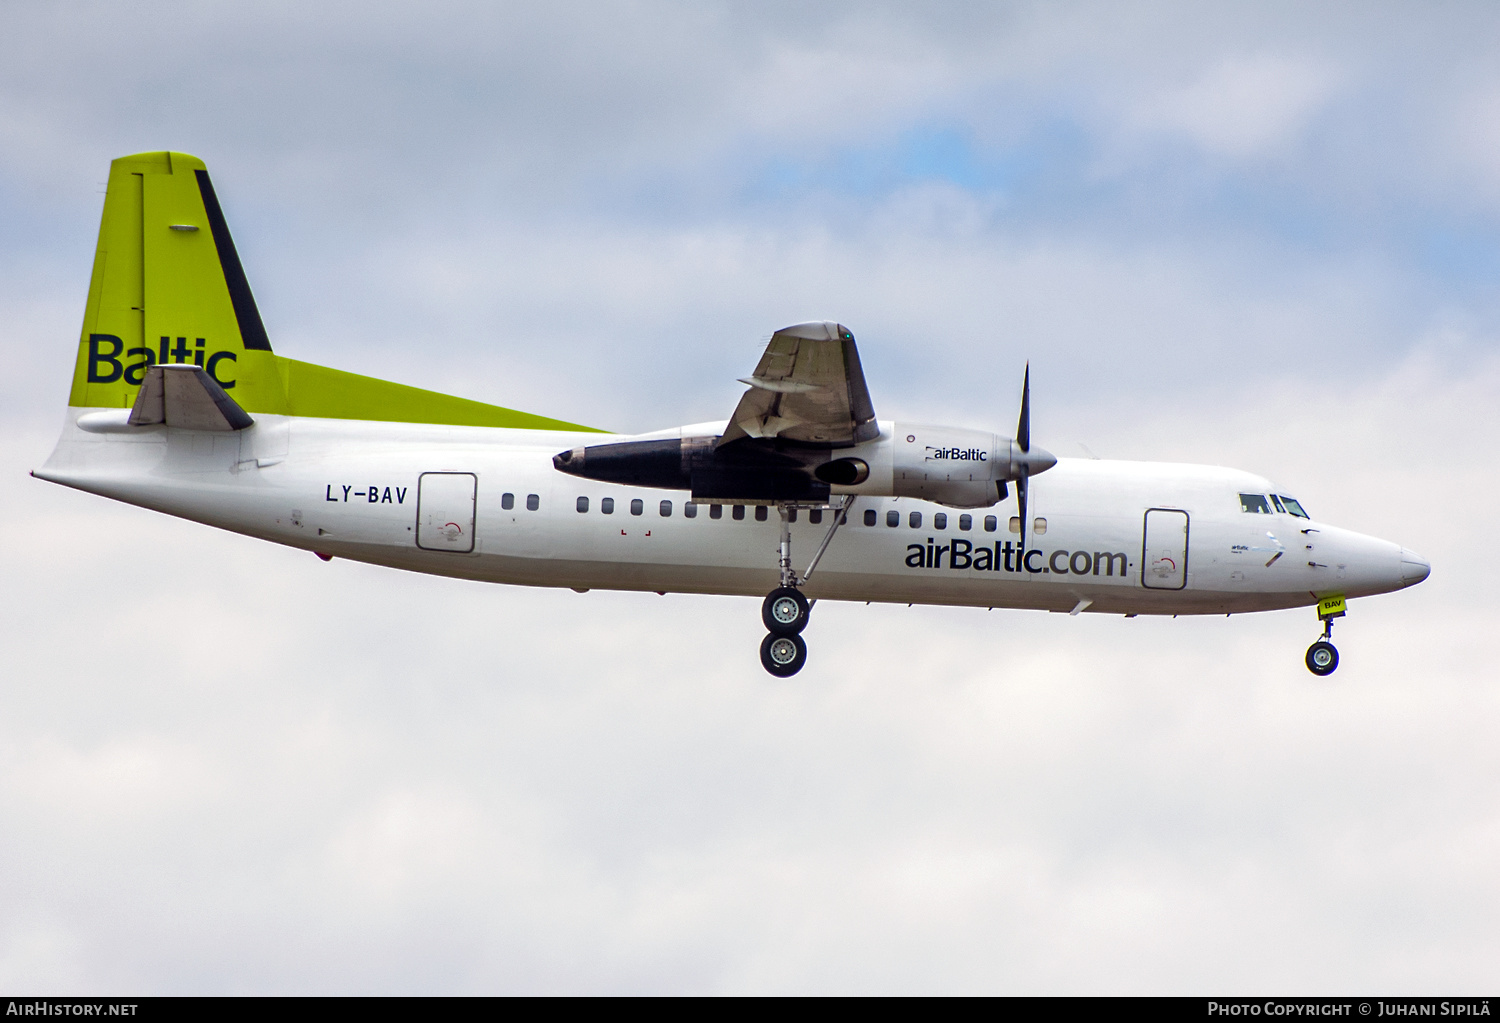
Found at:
<point>1164,549</point>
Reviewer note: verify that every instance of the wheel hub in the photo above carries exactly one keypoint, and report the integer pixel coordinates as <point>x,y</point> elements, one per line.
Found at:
<point>783,651</point>
<point>785,610</point>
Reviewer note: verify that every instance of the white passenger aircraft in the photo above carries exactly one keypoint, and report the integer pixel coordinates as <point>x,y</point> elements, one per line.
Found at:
<point>178,404</point>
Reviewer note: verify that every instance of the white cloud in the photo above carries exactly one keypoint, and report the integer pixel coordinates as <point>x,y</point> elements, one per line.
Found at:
<point>1246,106</point>
<point>1473,136</point>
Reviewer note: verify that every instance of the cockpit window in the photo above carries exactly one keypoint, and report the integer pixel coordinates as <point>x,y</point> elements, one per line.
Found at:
<point>1293,508</point>
<point>1255,503</point>
<point>1277,502</point>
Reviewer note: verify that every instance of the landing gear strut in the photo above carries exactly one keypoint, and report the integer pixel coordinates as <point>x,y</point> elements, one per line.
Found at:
<point>785,610</point>
<point>1323,656</point>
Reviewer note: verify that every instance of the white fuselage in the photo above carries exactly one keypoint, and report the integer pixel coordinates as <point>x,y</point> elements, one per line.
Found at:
<point>352,489</point>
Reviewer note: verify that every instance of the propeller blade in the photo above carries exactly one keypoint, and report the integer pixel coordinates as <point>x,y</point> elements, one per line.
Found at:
<point>1023,492</point>
<point>1028,462</point>
<point>1023,428</point>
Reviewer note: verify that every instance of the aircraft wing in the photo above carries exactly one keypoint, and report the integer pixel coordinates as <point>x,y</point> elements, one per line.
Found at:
<point>809,387</point>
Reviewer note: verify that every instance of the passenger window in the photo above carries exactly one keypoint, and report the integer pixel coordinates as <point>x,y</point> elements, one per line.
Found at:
<point>533,502</point>
<point>870,516</point>
<point>760,513</point>
<point>607,505</point>
<point>666,509</point>
<point>507,501</point>
<point>1015,524</point>
<point>893,518</point>
<point>914,520</point>
<point>1255,504</point>
<point>738,513</point>
<point>583,504</point>
<point>966,522</point>
<point>690,510</point>
<point>815,516</point>
<point>940,521</point>
<point>716,511</point>
<point>991,523</point>
<point>791,514</point>
<point>637,506</point>
<point>1038,526</point>
<point>1277,502</point>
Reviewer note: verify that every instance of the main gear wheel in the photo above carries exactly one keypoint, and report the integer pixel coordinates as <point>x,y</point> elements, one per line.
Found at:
<point>785,611</point>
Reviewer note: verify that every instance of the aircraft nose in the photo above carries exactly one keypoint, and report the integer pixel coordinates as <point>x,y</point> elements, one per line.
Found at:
<point>1414,567</point>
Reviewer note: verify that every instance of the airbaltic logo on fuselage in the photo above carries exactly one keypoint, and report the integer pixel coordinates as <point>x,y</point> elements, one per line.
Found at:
<point>105,366</point>
<point>957,454</point>
<point>1009,557</point>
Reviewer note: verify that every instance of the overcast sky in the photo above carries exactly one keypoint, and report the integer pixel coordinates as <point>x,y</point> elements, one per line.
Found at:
<point>1262,235</point>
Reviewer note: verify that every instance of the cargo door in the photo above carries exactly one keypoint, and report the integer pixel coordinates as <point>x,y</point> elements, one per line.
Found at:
<point>1164,551</point>
<point>445,511</point>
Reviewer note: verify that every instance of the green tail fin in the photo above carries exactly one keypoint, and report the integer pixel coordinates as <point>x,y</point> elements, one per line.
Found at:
<point>168,287</point>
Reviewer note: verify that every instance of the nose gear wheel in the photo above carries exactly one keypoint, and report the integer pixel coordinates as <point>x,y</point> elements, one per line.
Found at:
<point>1322,658</point>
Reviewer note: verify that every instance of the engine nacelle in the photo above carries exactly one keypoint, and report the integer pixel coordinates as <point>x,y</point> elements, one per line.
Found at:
<point>950,465</point>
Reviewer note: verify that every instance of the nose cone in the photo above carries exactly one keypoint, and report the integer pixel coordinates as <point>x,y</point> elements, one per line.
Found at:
<point>1414,567</point>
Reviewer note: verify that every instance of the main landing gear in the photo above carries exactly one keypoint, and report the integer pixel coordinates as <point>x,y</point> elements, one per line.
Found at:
<point>1323,656</point>
<point>785,610</point>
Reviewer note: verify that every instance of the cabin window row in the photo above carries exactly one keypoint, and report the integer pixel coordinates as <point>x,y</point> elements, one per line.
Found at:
<point>814,515</point>
<point>940,521</point>
<point>690,509</point>
<point>508,501</point>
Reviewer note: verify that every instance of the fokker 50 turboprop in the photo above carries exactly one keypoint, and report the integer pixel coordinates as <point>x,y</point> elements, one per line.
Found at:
<point>179,404</point>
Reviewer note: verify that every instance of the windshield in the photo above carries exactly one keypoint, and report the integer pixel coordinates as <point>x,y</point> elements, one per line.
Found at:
<point>1293,507</point>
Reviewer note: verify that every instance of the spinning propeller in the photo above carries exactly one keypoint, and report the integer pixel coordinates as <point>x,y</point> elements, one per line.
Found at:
<point>1030,462</point>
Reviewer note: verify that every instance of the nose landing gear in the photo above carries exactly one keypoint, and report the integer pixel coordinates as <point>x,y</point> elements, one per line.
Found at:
<point>785,610</point>
<point>1323,657</point>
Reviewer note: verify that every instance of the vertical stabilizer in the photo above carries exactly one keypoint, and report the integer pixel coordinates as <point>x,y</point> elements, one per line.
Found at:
<point>168,288</point>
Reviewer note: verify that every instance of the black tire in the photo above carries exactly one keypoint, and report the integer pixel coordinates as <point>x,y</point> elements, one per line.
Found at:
<point>774,651</point>
<point>785,611</point>
<point>1322,658</point>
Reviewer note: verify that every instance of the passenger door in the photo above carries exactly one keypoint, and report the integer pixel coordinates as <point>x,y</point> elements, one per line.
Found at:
<point>1164,549</point>
<point>445,511</point>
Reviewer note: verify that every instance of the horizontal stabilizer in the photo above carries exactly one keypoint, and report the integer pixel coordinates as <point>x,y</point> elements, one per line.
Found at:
<point>186,397</point>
